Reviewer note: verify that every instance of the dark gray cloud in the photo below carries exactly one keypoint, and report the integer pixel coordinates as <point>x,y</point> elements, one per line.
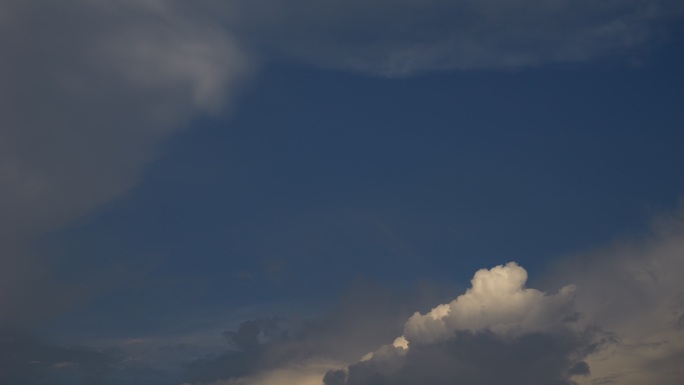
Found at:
<point>368,315</point>
<point>267,349</point>
<point>28,360</point>
<point>335,377</point>
<point>248,347</point>
<point>482,358</point>
<point>254,333</point>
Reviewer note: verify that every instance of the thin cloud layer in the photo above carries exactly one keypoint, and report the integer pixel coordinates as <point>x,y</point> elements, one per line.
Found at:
<point>398,38</point>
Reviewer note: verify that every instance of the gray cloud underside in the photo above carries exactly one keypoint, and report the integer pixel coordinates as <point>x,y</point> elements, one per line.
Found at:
<point>481,358</point>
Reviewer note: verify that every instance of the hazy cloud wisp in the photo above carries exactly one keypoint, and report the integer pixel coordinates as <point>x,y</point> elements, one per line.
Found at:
<point>89,90</point>
<point>402,37</point>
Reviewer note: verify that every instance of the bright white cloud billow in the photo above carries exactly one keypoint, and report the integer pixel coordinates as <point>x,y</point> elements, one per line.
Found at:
<point>498,301</point>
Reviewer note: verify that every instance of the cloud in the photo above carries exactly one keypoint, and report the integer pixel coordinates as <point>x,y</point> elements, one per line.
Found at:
<point>29,359</point>
<point>498,331</point>
<point>306,373</point>
<point>279,351</point>
<point>498,301</point>
<point>403,37</point>
<point>89,91</point>
<point>619,323</point>
<point>26,359</point>
<point>634,289</point>
<point>254,333</point>
<point>88,95</point>
<point>478,358</point>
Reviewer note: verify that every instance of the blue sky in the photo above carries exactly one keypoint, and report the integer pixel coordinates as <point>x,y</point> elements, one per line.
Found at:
<point>399,180</point>
<point>226,169</point>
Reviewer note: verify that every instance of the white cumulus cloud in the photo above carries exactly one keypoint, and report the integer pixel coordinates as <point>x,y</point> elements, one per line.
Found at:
<point>498,301</point>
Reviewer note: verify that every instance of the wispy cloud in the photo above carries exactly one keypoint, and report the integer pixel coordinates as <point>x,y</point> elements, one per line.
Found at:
<point>89,91</point>
<point>398,38</point>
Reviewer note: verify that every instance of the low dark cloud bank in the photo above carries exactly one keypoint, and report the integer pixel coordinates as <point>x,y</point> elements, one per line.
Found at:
<point>27,359</point>
<point>483,358</point>
<point>366,316</point>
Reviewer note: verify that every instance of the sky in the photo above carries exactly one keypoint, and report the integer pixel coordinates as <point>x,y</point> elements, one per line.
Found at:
<point>378,192</point>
